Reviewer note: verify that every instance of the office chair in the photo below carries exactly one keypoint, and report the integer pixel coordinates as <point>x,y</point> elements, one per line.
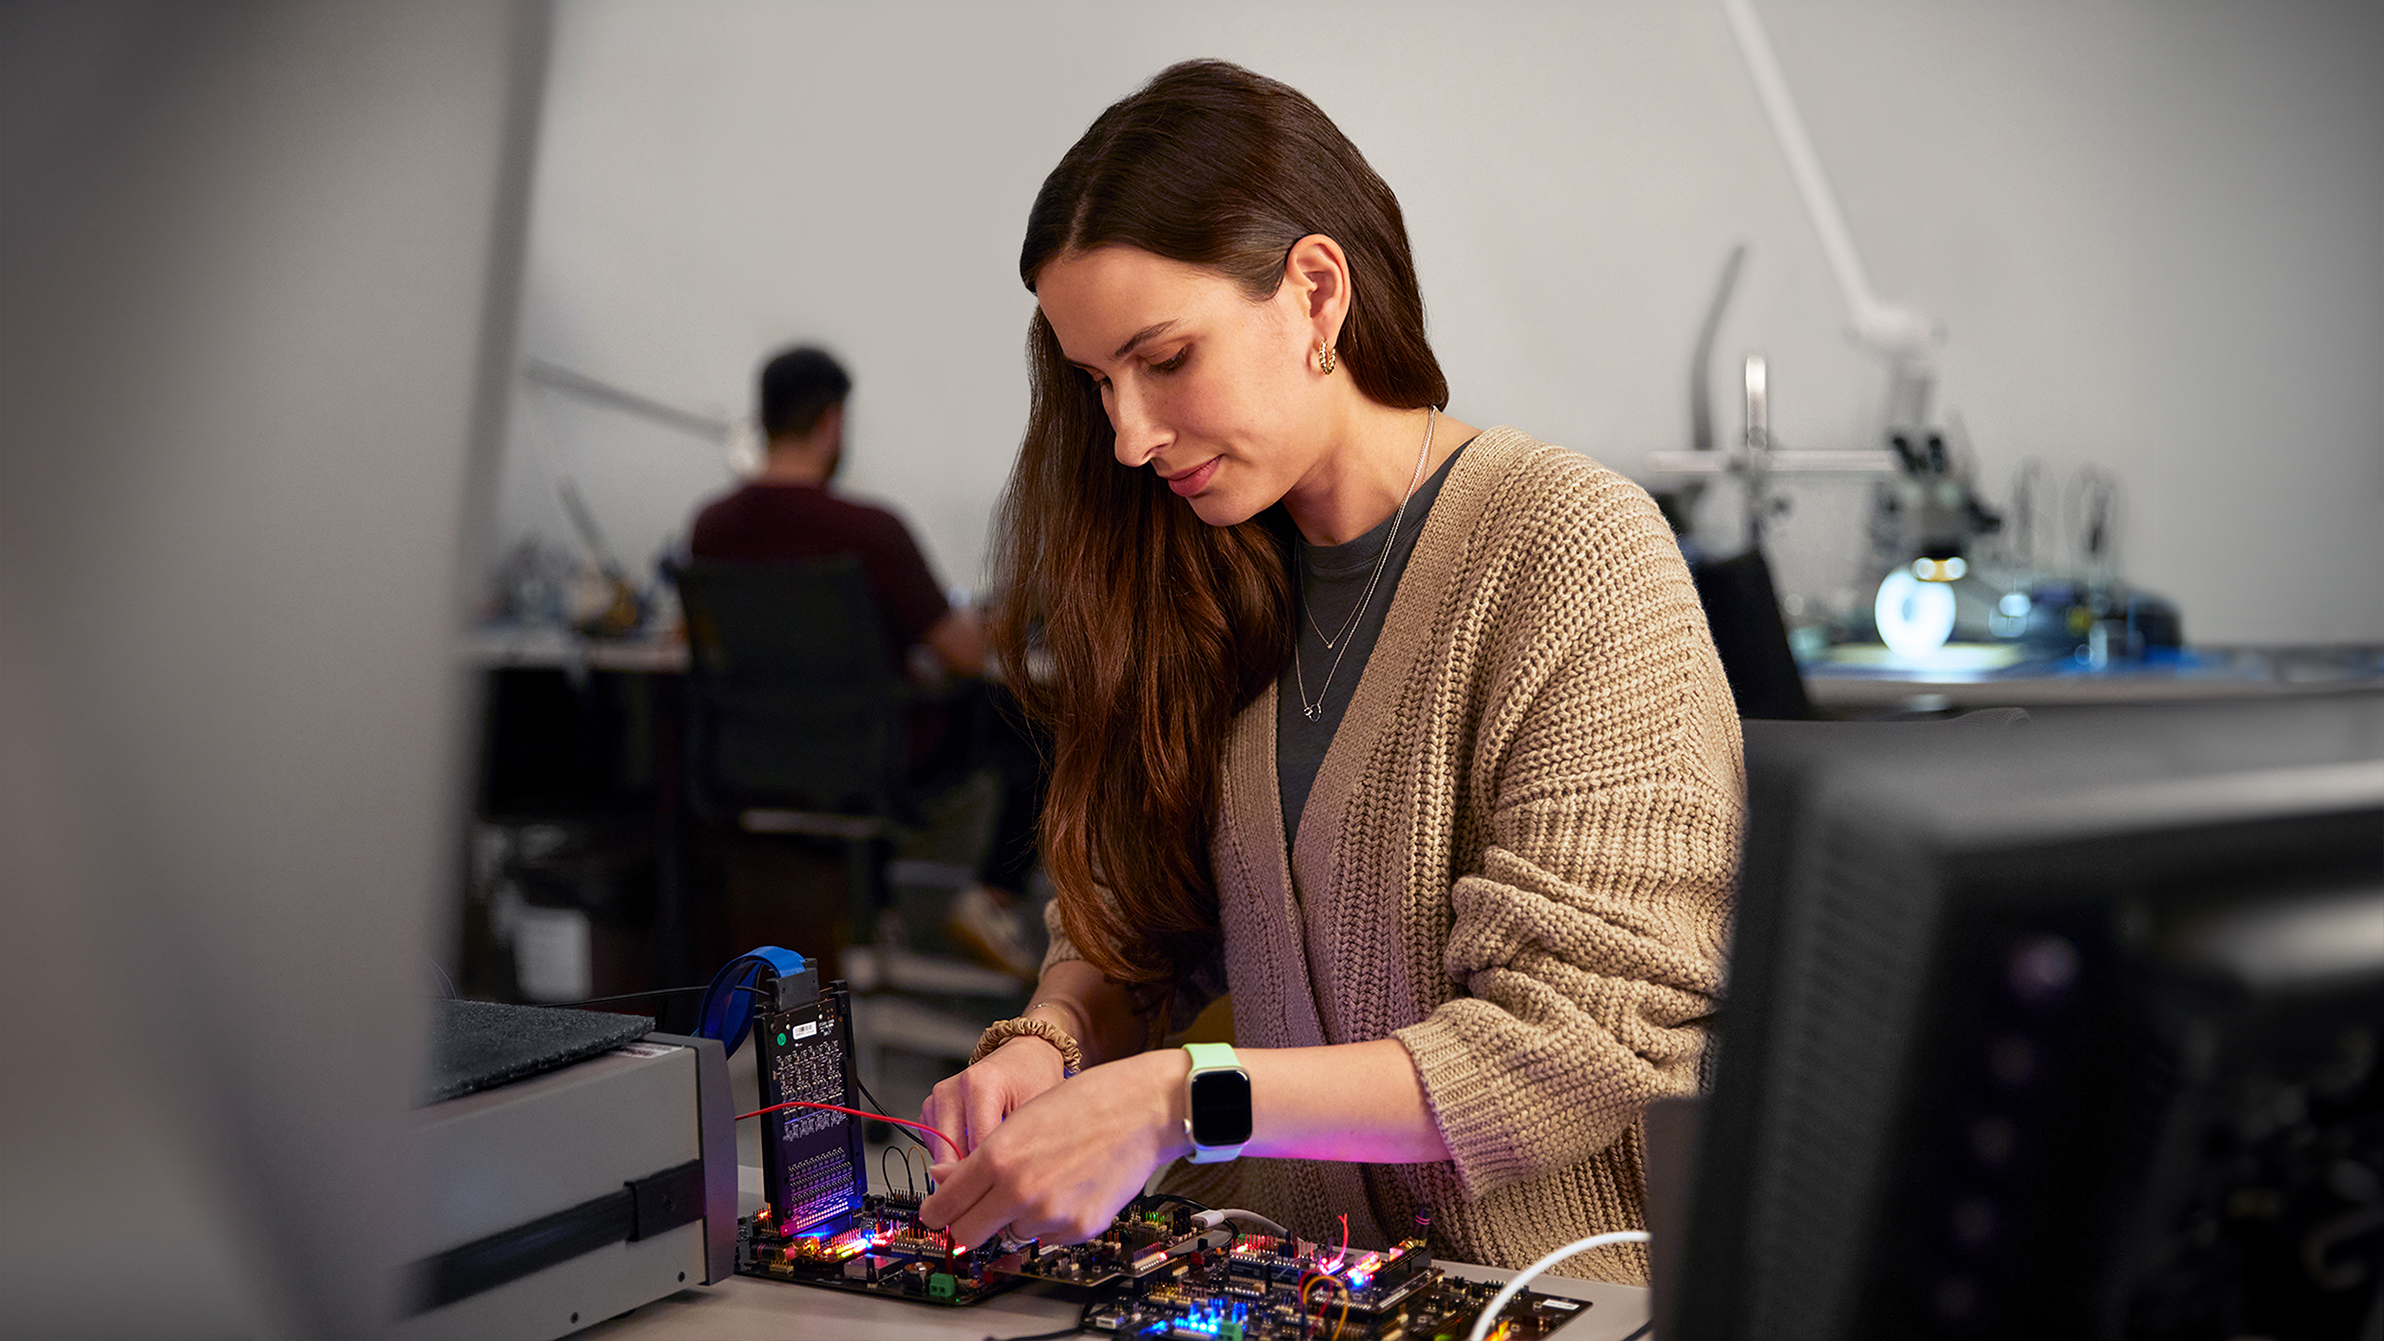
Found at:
<point>797,718</point>
<point>1742,608</point>
<point>798,724</point>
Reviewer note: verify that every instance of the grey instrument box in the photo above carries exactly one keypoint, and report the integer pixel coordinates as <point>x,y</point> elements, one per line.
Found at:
<point>555,1202</point>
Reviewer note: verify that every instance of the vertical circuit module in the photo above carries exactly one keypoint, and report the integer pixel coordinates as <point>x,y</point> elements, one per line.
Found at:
<point>812,1159</point>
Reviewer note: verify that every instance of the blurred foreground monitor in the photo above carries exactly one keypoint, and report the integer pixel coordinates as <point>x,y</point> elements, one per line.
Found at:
<point>2069,1029</point>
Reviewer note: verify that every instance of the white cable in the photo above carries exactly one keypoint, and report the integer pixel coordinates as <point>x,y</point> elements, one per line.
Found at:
<point>1212,1219</point>
<point>1481,1325</point>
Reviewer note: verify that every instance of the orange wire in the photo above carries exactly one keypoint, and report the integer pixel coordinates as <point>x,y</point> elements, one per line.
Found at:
<point>1310,1284</point>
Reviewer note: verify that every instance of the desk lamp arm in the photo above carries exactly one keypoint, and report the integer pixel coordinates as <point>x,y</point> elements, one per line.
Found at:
<point>1905,339</point>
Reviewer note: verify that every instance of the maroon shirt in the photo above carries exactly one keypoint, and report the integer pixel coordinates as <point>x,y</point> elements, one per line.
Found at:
<point>770,522</point>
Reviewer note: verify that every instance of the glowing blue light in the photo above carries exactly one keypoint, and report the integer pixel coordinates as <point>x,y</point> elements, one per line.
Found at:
<point>1915,617</point>
<point>2014,603</point>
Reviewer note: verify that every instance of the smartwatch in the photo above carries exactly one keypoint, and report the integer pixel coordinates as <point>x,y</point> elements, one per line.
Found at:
<point>1216,1103</point>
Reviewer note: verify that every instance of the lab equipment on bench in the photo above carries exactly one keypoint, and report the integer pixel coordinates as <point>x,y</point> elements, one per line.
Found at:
<point>1932,580</point>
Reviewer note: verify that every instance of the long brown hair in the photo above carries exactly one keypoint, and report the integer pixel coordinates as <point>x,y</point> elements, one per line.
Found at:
<point>1160,627</point>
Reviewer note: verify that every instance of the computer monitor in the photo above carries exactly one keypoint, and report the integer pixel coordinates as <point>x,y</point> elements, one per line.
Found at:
<point>2071,1030</point>
<point>260,271</point>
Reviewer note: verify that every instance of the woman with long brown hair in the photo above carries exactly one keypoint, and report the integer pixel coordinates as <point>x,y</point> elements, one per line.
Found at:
<point>1407,734</point>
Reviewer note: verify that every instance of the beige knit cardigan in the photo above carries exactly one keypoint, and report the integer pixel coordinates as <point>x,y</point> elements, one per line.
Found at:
<point>1517,860</point>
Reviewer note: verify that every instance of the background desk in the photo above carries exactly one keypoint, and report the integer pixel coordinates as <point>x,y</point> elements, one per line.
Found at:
<point>2202,674</point>
<point>545,647</point>
<point>775,1311</point>
<point>580,737</point>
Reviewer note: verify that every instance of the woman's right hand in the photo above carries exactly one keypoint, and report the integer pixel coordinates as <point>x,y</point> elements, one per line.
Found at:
<point>970,1105</point>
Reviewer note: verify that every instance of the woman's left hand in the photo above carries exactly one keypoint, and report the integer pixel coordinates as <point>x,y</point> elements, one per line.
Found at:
<point>1060,1166</point>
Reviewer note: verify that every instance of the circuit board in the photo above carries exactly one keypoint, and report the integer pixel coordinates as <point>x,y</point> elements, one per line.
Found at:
<point>1159,1270</point>
<point>1155,1272</point>
<point>881,1248</point>
<point>1259,1287</point>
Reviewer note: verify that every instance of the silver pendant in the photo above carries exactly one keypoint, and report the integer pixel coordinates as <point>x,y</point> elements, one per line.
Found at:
<point>1314,712</point>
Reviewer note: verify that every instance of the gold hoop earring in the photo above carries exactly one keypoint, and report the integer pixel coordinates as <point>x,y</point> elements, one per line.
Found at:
<point>1326,359</point>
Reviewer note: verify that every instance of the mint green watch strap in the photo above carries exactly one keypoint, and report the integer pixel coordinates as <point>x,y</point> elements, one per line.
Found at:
<point>1207,1055</point>
<point>1214,1068</point>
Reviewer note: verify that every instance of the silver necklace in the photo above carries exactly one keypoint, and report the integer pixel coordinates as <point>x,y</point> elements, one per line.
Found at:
<point>1332,640</point>
<point>1315,711</point>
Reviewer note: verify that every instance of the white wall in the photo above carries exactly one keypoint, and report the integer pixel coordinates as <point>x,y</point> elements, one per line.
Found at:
<point>2154,229</point>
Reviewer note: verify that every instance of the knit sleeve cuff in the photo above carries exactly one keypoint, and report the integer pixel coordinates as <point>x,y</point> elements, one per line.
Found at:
<point>1472,1105</point>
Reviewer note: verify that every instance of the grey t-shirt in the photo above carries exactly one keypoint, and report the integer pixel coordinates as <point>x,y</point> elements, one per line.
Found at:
<point>1332,580</point>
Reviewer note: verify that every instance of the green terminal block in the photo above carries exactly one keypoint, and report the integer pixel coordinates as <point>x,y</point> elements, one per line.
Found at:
<point>941,1286</point>
<point>1229,1331</point>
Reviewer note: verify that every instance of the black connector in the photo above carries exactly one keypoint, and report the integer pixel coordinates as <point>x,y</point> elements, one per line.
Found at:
<point>796,989</point>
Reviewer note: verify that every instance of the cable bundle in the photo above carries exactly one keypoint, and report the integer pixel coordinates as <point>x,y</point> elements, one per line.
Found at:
<point>726,1013</point>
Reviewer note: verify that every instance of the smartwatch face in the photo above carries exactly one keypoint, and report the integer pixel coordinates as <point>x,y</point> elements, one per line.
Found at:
<point>1220,1103</point>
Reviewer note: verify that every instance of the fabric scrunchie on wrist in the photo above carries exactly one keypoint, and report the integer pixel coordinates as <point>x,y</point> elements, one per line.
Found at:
<point>1002,1031</point>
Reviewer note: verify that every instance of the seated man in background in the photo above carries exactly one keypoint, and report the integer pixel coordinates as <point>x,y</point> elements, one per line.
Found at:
<point>786,513</point>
